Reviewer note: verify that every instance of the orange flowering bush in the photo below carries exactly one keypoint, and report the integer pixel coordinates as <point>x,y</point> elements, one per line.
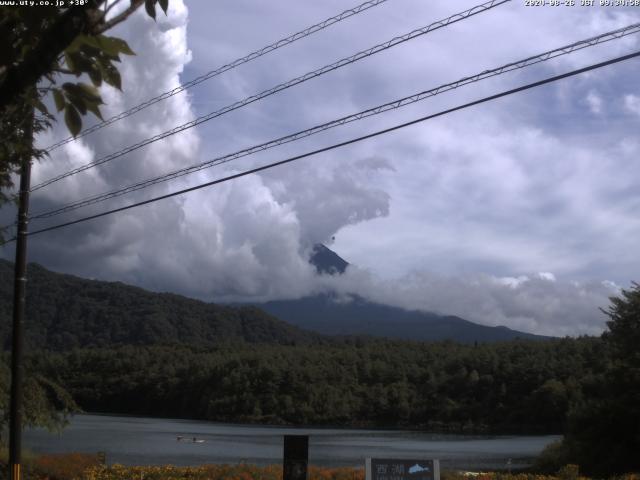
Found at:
<point>64,466</point>
<point>213,472</point>
<point>78,466</point>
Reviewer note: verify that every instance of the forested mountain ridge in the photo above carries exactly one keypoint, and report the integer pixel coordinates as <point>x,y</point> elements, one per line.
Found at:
<point>66,312</point>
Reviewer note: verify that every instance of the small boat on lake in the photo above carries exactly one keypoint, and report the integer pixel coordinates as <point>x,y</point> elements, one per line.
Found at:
<point>180,438</point>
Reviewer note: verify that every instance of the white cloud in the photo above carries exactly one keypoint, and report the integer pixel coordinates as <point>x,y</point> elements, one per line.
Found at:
<point>632,103</point>
<point>531,303</point>
<point>475,202</point>
<point>550,277</point>
<point>243,240</point>
<point>594,102</point>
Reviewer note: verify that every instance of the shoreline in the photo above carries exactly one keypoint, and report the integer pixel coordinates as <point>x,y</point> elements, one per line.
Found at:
<point>452,430</point>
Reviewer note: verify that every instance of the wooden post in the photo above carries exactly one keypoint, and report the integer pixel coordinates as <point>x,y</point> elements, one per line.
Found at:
<point>19,294</point>
<point>296,457</point>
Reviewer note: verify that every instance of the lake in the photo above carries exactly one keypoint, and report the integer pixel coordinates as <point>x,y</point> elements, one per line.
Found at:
<point>153,441</point>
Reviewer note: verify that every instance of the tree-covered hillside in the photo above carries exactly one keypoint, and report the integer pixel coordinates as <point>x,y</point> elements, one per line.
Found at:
<point>65,312</point>
<point>518,386</point>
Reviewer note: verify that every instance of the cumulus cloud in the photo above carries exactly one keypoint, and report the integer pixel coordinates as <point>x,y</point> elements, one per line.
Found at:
<point>481,205</point>
<point>327,199</point>
<point>536,303</point>
<point>246,240</point>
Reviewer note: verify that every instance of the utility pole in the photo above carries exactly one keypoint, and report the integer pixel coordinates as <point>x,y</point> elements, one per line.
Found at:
<point>19,294</point>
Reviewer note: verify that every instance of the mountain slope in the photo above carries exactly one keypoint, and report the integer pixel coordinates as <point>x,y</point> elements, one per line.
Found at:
<point>331,314</point>
<point>64,311</point>
<point>326,260</point>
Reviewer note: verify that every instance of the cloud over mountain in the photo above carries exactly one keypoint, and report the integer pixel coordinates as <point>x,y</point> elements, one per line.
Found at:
<point>456,215</point>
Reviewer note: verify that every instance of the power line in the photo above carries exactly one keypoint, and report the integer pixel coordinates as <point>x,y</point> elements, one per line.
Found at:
<point>283,86</point>
<point>605,37</point>
<point>229,66</point>
<point>342,144</point>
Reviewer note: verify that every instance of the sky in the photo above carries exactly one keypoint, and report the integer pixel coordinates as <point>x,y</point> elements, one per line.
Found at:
<point>520,212</point>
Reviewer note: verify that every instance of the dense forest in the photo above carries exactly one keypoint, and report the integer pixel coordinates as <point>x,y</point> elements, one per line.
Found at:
<point>166,355</point>
<point>519,386</point>
<point>67,312</point>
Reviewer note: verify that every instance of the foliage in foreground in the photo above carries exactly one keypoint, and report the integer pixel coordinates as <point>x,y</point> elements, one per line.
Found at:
<point>82,466</point>
<point>603,433</point>
<point>215,472</point>
<point>46,403</point>
<point>77,466</point>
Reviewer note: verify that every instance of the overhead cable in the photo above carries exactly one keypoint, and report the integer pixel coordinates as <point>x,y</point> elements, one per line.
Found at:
<point>229,66</point>
<point>338,145</point>
<point>308,76</point>
<point>567,49</point>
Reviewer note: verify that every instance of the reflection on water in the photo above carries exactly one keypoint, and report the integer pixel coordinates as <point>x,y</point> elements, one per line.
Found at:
<point>151,441</point>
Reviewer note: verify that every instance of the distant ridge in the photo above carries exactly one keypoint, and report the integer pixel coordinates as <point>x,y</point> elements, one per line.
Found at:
<point>340,314</point>
<point>330,314</point>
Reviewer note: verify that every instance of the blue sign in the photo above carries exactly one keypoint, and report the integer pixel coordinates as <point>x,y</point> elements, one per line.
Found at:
<point>401,469</point>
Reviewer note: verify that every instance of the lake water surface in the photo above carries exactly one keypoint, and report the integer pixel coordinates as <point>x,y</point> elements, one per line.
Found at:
<point>153,441</point>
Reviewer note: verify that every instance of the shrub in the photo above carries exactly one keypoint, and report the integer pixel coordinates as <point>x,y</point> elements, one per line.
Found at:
<point>552,458</point>
<point>64,466</point>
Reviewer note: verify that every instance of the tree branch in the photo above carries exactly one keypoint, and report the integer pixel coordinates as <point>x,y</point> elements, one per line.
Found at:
<point>66,71</point>
<point>135,4</point>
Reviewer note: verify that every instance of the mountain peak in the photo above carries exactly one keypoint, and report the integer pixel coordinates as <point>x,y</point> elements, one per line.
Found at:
<point>327,261</point>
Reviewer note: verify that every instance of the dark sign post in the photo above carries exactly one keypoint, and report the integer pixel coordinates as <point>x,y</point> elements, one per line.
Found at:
<point>401,469</point>
<point>296,457</point>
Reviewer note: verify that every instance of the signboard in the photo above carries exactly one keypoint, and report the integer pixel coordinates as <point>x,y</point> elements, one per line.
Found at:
<point>401,469</point>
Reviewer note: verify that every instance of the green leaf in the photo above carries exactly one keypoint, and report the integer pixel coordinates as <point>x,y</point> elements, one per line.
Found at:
<point>40,106</point>
<point>71,88</point>
<point>111,75</point>
<point>95,75</point>
<point>58,98</point>
<point>74,45</point>
<point>84,63</point>
<point>90,92</point>
<point>164,4</point>
<point>79,103</point>
<point>113,45</point>
<point>95,109</point>
<point>150,7</point>
<point>72,119</point>
<point>71,59</point>
<point>89,40</point>
<point>82,91</point>
<point>91,51</point>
